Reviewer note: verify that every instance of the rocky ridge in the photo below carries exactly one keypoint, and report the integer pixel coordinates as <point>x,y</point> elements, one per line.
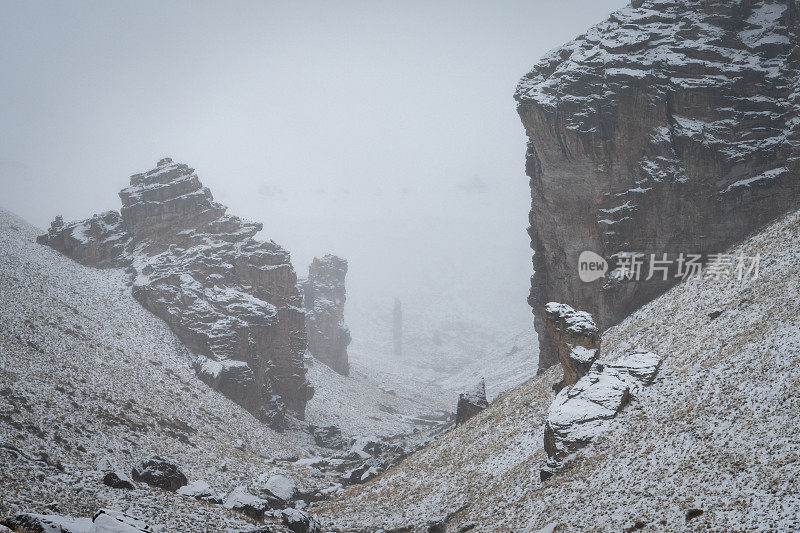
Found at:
<point>230,298</point>
<point>671,127</point>
<point>323,298</point>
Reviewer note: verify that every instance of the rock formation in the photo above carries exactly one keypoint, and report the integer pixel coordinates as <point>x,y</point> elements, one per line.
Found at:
<point>323,298</point>
<point>671,127</point>
<point>576,339</point>
<point>592,392</point>
<point>231,299</point>
<point>471,403</point>
<point>397,328</point>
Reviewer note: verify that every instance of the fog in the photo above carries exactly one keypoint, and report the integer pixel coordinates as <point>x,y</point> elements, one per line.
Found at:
<point>384,132</point>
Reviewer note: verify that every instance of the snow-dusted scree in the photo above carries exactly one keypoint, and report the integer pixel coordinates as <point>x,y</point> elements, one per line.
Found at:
<point>231,299</point>
<point>673,126</point>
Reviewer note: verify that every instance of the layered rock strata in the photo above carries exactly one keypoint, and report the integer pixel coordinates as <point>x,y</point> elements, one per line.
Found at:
<point>672,127</point>
<point>233,300</point>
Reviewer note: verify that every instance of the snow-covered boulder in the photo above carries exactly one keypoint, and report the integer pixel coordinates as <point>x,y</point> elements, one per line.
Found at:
<point>200,490</point>
<point>159,472</point>
<point>581,412</point>
<point>298,521</point>
<point>50,523</point>
<point>110,521</point>
<point>471,402</point>
<point>279,486</point>
<point>248,504</point>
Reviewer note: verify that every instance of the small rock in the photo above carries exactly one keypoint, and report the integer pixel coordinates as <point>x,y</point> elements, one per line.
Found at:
<point>714,313</point>
<point>693,513</point>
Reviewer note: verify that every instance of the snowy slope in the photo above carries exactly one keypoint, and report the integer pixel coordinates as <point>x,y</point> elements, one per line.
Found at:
<point>716,432</point>
<point>87,372</point>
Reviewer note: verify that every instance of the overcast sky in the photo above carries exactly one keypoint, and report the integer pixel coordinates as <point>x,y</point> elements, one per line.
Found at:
<point>385,132</point>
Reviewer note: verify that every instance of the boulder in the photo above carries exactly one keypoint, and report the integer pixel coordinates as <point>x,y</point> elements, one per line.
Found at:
<point>299,521</point>
<point>233,300</point>
<point>117,480</point>
<point>159,472</point>
<point>581,412</point>
<point>110,521</point>
<point>279,486</point>
<point>200,490</point>
<point>672,127</point>
<point>51,523</point>
<point>248,504</point>
<point>471,403</point>
<point>113,476</point>
<point>324,297</point>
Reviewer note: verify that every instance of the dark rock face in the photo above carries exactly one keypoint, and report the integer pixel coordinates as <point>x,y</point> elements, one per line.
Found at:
<point>471,403</point>
<point>231,299</point>
<point>671,127</point>
<point>324,297</point>
<point>160,473</point>
<point>576,339</point>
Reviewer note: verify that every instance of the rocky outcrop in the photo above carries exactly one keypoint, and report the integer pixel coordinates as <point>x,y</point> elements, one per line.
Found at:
<point>581,412</point>
<point>671,127</point>
<point>231,299</point>
<point>471,403</point>
<point>576,339</point>
<point>323,298</point>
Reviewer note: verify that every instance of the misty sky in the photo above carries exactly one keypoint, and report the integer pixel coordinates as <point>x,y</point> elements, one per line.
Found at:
<point>385,132</point>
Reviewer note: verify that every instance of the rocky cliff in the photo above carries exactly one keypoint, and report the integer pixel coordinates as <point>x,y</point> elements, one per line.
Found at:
<point>672,127</point>
<point>231,299</point>
<point>324,297</point>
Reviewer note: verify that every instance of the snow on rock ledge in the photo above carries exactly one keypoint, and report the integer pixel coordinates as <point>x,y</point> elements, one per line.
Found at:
<point>231,299</point>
